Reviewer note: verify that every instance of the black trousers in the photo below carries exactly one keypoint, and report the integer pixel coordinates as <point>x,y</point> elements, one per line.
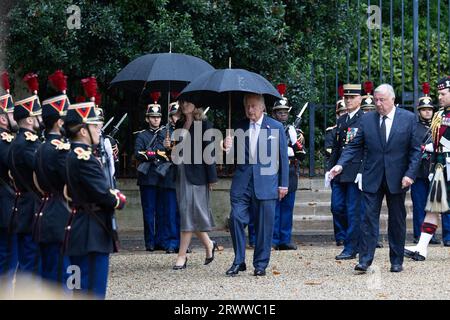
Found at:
<point>370,224</point>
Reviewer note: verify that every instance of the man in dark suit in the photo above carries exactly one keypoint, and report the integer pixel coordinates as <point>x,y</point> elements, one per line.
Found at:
<point>347,128</point>
<point>392,155</point>
<point>257,183</point>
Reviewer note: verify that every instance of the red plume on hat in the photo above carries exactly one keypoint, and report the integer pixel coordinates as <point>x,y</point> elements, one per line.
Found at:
<point>341,91</point>
<point>426,88</point>
<point>32,82</point>
<point>368,87</point>
<point>281,88</point>
<point>90,87</point>
<point>58,81</point>
<point>5,81</point>
<point>155,96</point>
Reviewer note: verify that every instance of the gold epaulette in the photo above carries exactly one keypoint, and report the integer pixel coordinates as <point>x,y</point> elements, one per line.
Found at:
<point>82,154</point>
<point>7,137</point>
<point>436,124</point>
<point>30,136</point>
<point>162,154</point>
<point>60,145</point>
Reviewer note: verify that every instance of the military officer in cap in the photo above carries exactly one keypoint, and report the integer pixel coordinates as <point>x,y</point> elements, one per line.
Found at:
<point>285,208</point>
<point>171,216</point>
<point>8,240</point>
<point>347,127</point>
<point>50,177</point>
<point>89,238</point>
<point>148,149</point>
<point>21,160</point>
<point>437,201</point>
<point>338,206</point>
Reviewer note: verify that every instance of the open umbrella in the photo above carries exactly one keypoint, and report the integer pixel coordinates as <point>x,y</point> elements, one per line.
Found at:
<point>167,72</point>
<point>221,87</point>
<point>160,72</point>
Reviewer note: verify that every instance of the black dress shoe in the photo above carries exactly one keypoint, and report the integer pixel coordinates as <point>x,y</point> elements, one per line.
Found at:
<point>287,246</point>
<point>361,267</point>
<point>160,248</point>
<point>175,267</point>
<point>151,249</point>
<point>339,243</point>
<point>446,243</point>
<point>209,260</point>
<point>415,255</point>
<point>170,250</point>
<point>345,256</point>
<point>396,268</point>
<point>380,245</point>
<point>235,268</point>
<point>416,240</point>
<point>259,272</point>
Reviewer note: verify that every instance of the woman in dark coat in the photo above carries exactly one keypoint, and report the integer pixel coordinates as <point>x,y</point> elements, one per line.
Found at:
<point>194,182</point>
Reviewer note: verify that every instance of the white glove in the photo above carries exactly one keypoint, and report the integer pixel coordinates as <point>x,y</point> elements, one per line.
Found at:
<point>430,177</point>
<point>358,180</point>
<point>429,147</point>
<point>327,179</point>
<point>292,135</point>
<point>290,152</point>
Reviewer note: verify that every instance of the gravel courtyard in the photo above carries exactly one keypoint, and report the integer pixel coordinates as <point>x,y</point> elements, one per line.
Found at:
<point>308,273</point>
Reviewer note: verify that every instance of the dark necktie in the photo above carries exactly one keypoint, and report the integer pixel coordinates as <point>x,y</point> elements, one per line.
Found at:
<point>383,130</point>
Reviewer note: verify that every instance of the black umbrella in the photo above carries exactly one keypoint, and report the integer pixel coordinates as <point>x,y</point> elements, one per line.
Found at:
<point>220,87</point>
<point>160,72</point>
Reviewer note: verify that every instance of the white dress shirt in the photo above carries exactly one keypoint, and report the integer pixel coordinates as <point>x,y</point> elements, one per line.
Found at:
<point>351,114</point>
<point>254,128</point>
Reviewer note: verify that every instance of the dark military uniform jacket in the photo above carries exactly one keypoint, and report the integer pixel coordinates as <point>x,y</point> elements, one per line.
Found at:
<point>346,130</point>
<point>92,201</point>
<point>142,145</point>
<point>50,171</point>
<point>199,173</point>
<point>21,160</point>
<point>7,193</point>
<point>424,135</point>
<point>299,155</point>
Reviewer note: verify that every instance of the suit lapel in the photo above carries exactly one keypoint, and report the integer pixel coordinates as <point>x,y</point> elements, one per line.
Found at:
<point>394,126</point>
<point>378,126</point>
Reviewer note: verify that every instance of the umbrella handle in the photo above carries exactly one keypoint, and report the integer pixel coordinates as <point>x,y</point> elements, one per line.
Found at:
<point>229,110</point>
